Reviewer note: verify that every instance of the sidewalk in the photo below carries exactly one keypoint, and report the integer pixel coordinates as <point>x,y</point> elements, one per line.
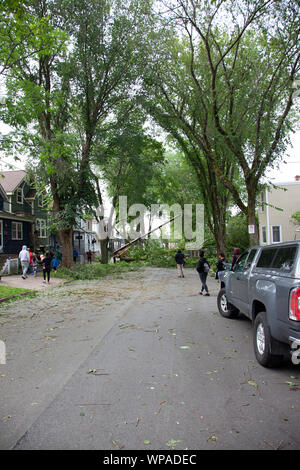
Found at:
<point>35,283</point>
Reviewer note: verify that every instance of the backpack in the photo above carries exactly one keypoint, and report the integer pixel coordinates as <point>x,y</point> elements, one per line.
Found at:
<point>206,267</point>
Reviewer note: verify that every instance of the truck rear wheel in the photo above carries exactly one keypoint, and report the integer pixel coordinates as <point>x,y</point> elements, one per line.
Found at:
<point>226,310</point>
<point>262,341</point>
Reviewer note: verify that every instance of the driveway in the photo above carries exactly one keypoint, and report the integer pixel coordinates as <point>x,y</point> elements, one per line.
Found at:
<point>140,362</point>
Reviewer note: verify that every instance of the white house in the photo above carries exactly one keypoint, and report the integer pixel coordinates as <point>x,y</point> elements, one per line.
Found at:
<point>277,205</point>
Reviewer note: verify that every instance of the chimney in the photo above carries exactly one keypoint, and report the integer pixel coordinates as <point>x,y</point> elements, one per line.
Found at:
<point>297,178</point>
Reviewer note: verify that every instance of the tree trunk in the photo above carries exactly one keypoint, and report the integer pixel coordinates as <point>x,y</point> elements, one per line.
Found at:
<point>104,251</point>
<point>253,237</point>
<point>67,247</point>
<point>221,237</point>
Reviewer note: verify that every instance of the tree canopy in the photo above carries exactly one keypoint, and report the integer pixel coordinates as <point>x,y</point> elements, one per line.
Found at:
<point>83,76</point>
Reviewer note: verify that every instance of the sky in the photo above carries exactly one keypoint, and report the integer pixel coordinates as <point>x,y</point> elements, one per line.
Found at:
<point>287,171</point>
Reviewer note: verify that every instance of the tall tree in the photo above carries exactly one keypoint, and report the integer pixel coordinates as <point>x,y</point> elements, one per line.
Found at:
<point>245,58</point>
<point>129,160</point>
<point>172,98</point>
<point>59,97</point>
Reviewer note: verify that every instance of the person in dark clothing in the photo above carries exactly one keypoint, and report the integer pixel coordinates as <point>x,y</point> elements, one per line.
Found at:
<point>179,258</point>
<point>203,269</point>
<point>236,255</point>
<point>220,264</point>
<point>47,267</point>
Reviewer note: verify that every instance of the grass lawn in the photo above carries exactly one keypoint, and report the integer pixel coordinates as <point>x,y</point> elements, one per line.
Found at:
<point>6,291</point>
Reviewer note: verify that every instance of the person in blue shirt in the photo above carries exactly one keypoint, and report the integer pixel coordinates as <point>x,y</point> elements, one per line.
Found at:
<point>54,263</point>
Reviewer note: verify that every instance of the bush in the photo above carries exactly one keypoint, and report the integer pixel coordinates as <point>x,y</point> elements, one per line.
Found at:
<point>152,254</point>
<point>96,270</point>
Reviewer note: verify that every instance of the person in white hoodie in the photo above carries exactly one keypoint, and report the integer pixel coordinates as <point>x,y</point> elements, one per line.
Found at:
<point>24,258</point>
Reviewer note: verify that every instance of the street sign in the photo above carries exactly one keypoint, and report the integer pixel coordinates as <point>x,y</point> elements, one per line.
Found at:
<point>251,229</point>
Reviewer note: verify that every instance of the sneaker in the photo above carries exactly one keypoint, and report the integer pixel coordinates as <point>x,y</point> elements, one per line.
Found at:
<point>200,293</point>
<point>207,294</point>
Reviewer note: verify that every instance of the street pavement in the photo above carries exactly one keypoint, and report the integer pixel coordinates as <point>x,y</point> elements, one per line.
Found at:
<point>139,363</point>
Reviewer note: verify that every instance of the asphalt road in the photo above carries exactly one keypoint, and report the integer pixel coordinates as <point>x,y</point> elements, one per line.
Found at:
<point>139,363</point>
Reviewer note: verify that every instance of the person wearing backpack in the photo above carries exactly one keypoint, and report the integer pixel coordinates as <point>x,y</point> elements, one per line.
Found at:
<point>203,269</point>
<point>179,258</point>
<point>220,265</point>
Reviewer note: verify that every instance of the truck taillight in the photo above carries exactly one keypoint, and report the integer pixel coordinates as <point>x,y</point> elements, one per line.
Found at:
<point>295,304</point>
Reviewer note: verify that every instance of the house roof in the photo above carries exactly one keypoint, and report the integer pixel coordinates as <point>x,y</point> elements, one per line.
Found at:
<point>11,179</point>
<point>3,193</point>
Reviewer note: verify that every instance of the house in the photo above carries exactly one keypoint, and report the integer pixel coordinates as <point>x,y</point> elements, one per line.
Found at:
<point>84,238</point>
<point>23,217</point>
<point>277,205</point>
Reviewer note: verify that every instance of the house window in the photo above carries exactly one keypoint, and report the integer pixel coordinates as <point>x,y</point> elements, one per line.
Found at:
<point>20,196</point>
<point>276,233</point>
<point>264,234</point>
<point>41,228</point>
<point>17,231</point>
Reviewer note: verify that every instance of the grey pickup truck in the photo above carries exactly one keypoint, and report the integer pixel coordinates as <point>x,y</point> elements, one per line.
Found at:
<point>264,285</point>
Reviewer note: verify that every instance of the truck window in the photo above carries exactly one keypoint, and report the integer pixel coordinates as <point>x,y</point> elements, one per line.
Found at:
<point>284,258</point>
<point>250,258</point>
<point>240,264</point>
<point>266,258</point>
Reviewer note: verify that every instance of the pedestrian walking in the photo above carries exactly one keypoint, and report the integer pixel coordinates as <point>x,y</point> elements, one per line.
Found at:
<point>24,259</point>
<point>30,268</point>
<point>235,257</point>
<point>34,264</point>
<point>179,258</point>
<point>220,265</point>
<point>75,254</point>
<point>54,263</point>
<point>203,270</point>
<point>89,256</point>
<point>46,267</point>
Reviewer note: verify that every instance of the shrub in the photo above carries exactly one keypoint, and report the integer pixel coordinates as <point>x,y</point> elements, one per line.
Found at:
<point>96,270</point>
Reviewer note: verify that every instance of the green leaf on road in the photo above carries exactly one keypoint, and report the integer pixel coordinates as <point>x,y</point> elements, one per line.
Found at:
<point>172,443</point>
<point>251,382</point>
